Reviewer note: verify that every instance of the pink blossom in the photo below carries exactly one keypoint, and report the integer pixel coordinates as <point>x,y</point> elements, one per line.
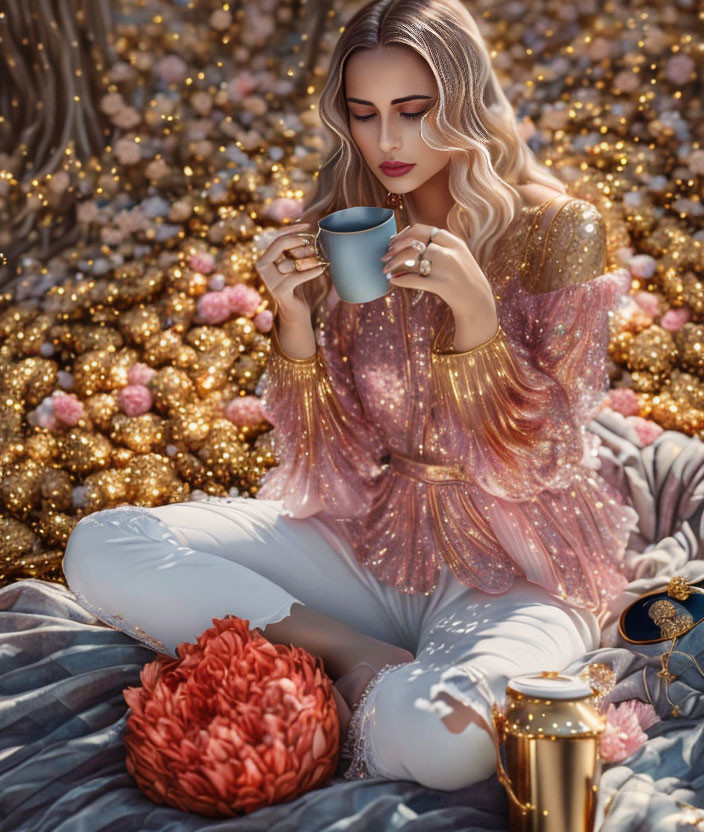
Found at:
<point>675,319</point>
<point>625,729</point>
<point>87,211</point>
<point>220,19</point>
<point>679,69</point>
<point>127,118</point>
<point>135,399</point>
<point>112,103</point>
<point>172,69</point>
<point>285,208</point>
<point>624,401</point>
<point>245,410</point>
<point>243,299</point>
<point>626,81</point>
<point>213,308</point>
<point>127,151</point>
<point>68,408</point>
<point>241,86</point>
<point>264,320</point>
<point>140,374</point>
<point>202,261</point>
<point>643,266</point>
<point>157,169</point>
<point>646,430</point>
<point>202,102</point>
<point>648,302</point>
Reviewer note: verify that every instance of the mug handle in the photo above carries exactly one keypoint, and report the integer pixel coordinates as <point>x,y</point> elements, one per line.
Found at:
<point>316,245</point>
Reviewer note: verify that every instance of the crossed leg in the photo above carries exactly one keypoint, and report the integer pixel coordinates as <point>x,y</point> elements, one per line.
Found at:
<point>429,720</point>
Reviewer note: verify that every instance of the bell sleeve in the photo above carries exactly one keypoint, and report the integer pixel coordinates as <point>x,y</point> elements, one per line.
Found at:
<point>514,410</point>
<point>328,452</point>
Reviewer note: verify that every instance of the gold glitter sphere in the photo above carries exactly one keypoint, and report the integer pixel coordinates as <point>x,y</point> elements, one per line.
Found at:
<point>106,489</point>
<point>161,348</point>
<point>690,342</point>
<point>83,452</point>
<point>139,324</point>
<point>42,446</point>
<point>57,489</point>
<point>189,424</point>
<point>171,388</point>
<point>652,350</point>
<point>20,487</point>
<point>141,434</point>
<point>100,409</point>
<point>152,481</point>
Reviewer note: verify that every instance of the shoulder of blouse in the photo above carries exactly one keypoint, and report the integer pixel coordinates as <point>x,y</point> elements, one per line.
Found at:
<point>566,245</point>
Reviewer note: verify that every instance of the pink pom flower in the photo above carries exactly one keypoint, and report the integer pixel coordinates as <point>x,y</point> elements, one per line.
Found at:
<point>625,729</point>
<point>624,401</point>
<point>213,308</point>
<point>264,320</point>
<point>140,374</point>
<point>243,299</point>
<point>135,399</point>
<point>202,261</point>
<point>68,409</point>
<point>646,430</point>
<point>675,319</point>
<point>648,302</point>
<point>245,410</point>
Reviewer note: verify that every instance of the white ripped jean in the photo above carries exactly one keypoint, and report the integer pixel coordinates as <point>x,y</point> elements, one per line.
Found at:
<point>162,574</point>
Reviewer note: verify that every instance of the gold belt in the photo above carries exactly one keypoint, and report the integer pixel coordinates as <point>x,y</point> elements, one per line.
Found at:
<point>426,471</point>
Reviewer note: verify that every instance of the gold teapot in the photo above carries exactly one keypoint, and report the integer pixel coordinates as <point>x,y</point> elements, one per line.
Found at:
<point>550,732</point>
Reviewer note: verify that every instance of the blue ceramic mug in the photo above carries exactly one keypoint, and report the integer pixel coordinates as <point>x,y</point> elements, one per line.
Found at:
<point>354,241</point>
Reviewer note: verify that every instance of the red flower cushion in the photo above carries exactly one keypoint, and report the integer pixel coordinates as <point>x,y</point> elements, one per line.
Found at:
<point>235,723</point>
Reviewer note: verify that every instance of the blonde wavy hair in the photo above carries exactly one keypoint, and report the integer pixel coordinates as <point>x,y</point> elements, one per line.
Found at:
<point>472,120</point>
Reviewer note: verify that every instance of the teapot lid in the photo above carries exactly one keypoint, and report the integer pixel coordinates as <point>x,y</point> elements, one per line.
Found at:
<point>549,684</point>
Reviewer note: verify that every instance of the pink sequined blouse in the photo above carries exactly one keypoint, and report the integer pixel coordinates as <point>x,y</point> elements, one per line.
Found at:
<point>418,454</point>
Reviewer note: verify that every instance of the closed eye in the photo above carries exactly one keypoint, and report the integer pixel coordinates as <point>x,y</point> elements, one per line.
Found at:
<point>404,115</point>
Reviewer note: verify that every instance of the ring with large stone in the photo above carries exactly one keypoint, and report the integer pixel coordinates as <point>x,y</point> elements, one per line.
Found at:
<point>419,244</point>
<point>424,266</point>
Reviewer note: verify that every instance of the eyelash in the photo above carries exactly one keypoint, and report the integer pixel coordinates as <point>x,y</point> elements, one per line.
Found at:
<point>403,115</point>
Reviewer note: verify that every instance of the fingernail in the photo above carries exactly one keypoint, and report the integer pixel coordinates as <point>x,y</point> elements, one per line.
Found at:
<point>388,275</point>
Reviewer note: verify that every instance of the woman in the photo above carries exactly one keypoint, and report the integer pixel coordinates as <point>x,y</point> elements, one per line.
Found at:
<point>434,525</point>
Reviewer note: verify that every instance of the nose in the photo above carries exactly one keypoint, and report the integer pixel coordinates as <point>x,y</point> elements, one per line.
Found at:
<point>389,137</point>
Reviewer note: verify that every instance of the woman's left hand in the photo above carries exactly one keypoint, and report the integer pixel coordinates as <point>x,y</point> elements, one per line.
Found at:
<point>454,275</point>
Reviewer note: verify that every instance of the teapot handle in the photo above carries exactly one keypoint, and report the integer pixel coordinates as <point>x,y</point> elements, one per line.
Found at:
<point>498,736</point>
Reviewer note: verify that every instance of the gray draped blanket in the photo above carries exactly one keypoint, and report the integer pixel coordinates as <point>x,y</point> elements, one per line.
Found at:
<point>62,713</point>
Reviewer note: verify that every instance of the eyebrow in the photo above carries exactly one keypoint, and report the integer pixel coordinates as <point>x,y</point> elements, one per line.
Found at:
<point>395,101</point>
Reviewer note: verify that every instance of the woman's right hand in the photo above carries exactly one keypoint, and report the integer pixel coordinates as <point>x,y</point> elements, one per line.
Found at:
<point>281,273</point>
